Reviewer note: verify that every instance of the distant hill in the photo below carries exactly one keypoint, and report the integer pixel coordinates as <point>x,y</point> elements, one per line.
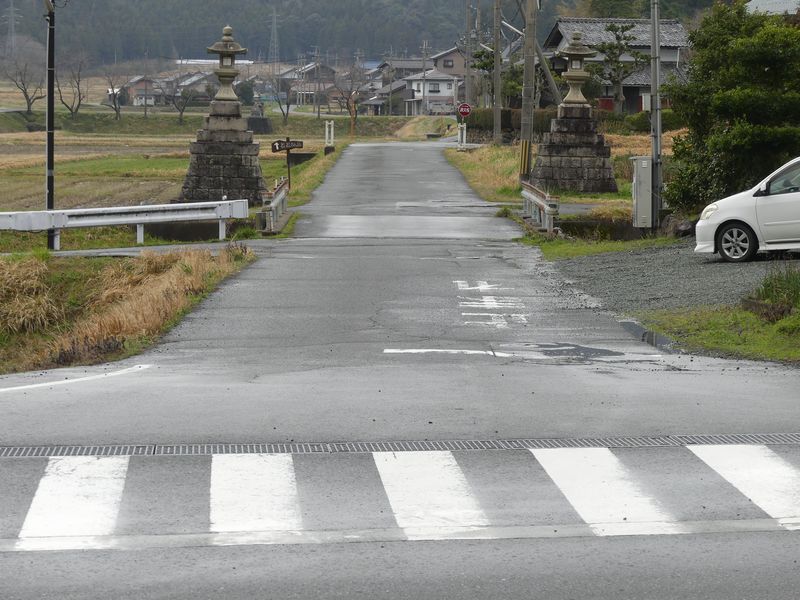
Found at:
<point>121,30</point>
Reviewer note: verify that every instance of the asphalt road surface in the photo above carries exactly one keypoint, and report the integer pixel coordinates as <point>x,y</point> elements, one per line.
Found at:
<point>401,402</point>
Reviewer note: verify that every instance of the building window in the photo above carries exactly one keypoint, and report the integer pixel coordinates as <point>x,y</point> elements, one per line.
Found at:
<point>433,88</point>
<point>419,87</point>
<point>449,86</point>
<point>448,63</point>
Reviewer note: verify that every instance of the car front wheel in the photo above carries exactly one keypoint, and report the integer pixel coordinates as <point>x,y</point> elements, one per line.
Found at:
<point>736,242</point>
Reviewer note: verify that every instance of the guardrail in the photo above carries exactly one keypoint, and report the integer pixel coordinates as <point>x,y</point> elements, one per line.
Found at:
<point>125,215</point>
<point>275,207</point>
<point>540,206</point>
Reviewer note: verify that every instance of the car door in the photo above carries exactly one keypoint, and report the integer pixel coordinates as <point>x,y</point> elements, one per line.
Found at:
<point>778,211</point>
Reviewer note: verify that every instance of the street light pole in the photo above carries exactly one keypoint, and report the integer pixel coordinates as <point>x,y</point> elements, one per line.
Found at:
<point>51,78</point>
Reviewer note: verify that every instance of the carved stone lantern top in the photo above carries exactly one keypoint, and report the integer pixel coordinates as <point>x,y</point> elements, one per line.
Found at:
<point>576,53</point>
<point>227,49</point>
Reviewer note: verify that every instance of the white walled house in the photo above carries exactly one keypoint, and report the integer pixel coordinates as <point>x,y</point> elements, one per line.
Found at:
<point>432,93</point>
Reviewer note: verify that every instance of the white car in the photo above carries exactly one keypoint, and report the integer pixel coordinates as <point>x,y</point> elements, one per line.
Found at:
<point>763,219</point>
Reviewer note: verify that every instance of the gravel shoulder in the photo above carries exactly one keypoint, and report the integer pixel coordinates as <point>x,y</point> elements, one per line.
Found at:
<point>666,278</point>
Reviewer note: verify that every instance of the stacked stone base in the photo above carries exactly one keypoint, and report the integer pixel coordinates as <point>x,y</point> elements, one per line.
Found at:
<point>573,156</point>
<point>224,163</point>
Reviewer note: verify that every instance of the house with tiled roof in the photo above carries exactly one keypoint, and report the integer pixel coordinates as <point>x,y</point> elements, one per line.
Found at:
<point>774,7</point>
<point>674,44</point>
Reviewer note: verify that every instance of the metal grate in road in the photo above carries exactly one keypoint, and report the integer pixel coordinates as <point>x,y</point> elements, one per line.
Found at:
<point>745,438</point>
<point>54,451</point>
<point>772,439</point>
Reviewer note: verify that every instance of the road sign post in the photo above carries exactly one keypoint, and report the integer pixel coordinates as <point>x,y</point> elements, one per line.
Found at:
<point>464,110</point>
<point>286,146</point>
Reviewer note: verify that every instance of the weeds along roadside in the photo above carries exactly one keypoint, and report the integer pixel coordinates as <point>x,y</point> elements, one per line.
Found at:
<point>57,311</point>
<point>764,326</point>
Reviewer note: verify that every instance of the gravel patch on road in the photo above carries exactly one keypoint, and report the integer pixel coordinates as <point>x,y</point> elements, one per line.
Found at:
<point>665,278</point>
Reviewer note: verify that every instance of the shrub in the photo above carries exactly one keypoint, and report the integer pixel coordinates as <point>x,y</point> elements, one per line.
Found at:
<point>640,122</point>
<point>781,286</point>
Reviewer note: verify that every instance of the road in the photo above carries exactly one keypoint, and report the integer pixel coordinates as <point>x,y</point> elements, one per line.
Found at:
<point>401,402</point>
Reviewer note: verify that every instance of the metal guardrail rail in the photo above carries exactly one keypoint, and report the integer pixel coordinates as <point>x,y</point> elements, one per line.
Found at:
<point>540,206</point>
<point>125,215</point>
<point>275,207</point>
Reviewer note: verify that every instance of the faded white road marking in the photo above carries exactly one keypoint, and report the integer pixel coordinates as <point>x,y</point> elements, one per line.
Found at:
<point>428,489</point>
<point>500,321</point>
<point>442,351</point>
<point>491,302</point>
<point>128,371</point>
<point>759,473</point>
<point>77,496</point>
<point>481,286</point>
<point>253,492</point>
<point>603,493</point>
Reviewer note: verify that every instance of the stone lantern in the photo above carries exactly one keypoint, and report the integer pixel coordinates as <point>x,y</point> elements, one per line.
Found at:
<point>224,159</point>
<point>573,156</point>
<point>576,54</point>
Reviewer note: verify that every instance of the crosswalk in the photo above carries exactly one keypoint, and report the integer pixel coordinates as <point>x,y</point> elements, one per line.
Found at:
<point>119,502</point>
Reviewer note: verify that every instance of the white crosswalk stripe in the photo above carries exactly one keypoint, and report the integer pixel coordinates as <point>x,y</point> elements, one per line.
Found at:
<point>90,502</point>
<point>761,475</point>
<point>428,490</point>
<point>603,492</point>
<point>253,492</point>
<point>77,496</point>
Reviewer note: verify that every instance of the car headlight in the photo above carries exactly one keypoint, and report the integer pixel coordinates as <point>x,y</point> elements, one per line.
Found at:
<point>708,211</point>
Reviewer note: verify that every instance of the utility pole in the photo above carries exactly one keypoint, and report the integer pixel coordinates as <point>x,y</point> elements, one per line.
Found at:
<point>51,106</point>
<point>528,88</point>
<point>146,68</point>
<point>655,112</point>
<point>273,58</point>
<point>316,77</point>
<point>498,75</point>
<point>425,48</point>
<point>468,56</point>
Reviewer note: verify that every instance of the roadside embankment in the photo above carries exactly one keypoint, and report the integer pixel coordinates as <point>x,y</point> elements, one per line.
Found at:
<point>57,311</point>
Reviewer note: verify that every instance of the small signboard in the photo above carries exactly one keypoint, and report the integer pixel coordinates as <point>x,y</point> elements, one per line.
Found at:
<point>287,144</point>
<point>464,110</point>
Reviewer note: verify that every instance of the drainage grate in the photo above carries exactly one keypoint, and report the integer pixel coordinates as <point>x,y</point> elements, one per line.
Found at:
<point>53,451</point>
<point>745,438</point>
<point>772,439</point>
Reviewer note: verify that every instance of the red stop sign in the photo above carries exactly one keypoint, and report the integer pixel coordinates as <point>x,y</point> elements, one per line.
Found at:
<point>464,110</point>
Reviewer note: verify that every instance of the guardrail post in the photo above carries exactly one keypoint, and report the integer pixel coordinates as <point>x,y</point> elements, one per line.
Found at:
<point>140,233</point>
<point>56,239</point>
<point>223,229</point>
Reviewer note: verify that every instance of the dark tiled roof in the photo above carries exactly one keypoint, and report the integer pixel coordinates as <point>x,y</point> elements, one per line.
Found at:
<point>673,34</point>
<point>774,7</point>
<point>403,63</point>
<point>642,77</point>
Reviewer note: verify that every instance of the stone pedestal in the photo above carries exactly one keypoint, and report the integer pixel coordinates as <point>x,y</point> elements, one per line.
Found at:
<point>573,156</point>
<point>224,160</point>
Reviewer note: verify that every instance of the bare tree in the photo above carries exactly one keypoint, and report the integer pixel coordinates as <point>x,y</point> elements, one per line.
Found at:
<point>117,95</point>
<point>26,70</point>
<point>348,86</point>
<point>283,87</point>
<point>178,98</point>
<point>28,79</point>
<point>74,89</point>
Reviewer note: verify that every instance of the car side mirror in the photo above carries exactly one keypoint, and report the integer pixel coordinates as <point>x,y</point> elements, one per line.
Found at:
<point>763,189</point>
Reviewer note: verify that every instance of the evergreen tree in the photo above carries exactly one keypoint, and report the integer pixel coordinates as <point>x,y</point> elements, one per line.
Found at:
<point>741,102</point>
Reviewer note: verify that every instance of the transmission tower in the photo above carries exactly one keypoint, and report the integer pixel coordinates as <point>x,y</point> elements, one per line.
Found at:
<point>274,56</point>
<point>12,17</point>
